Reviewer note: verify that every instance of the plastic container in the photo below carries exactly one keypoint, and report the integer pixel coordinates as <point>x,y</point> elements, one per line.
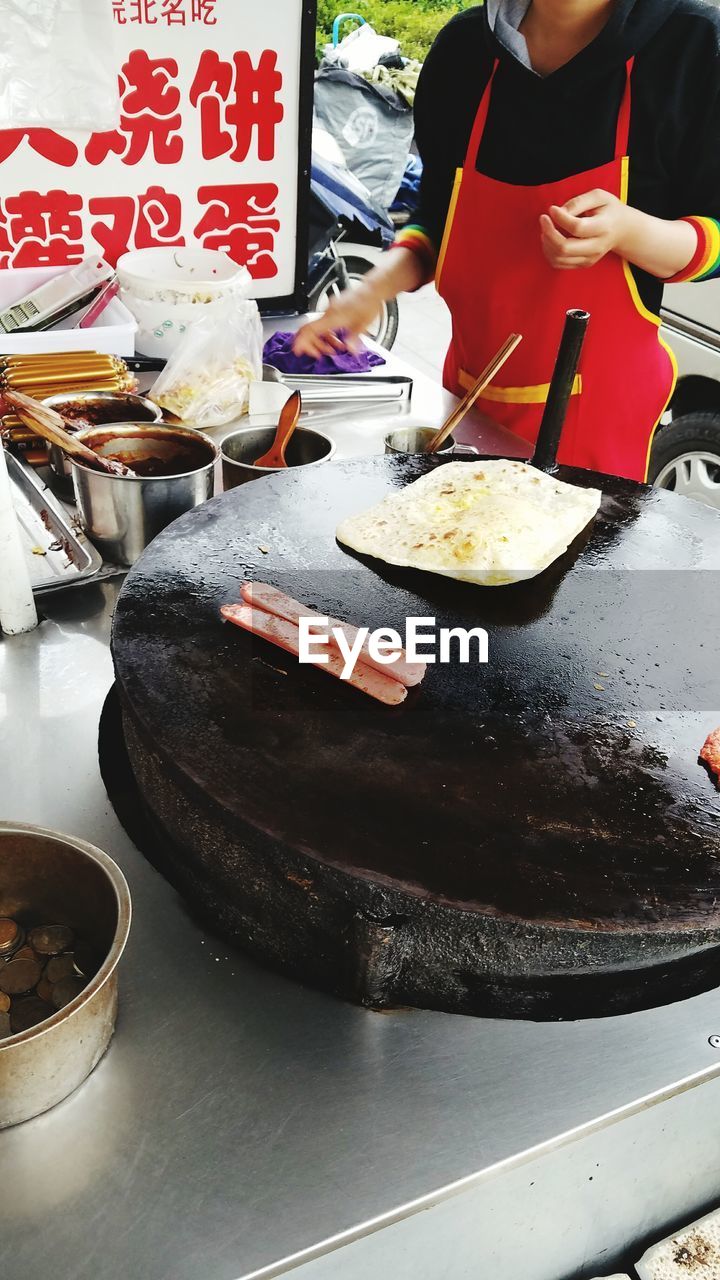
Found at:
<point>166,290</point>
<point>179,275</point>
<point>113,333</point>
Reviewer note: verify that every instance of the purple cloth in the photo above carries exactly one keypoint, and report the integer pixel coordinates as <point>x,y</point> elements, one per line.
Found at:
<point>279,353</point>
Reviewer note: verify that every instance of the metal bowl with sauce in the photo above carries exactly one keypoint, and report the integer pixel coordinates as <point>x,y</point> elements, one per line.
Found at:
<point>92,409</point>
<point>174,472</point>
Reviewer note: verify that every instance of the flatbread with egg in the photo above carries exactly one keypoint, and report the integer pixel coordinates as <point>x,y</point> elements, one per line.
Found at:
<point>491,523</point>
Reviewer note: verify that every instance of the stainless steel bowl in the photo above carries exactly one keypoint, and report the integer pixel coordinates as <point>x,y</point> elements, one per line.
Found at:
<point>58,879</point>
<point>122,514</point>
<point>105,406</point>
<point>306,449</point>
<point>417,439</point>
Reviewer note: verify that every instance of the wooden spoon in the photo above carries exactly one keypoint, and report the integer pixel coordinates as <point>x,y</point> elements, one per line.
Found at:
<point>474,393</point>
<point>51,426</point>
<point>289,414</point>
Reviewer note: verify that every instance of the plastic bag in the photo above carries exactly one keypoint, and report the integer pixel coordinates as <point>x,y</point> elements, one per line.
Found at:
<point>372,125</point>
<point>58,65</point>
<point>206,382</point>
<point>361,49</point>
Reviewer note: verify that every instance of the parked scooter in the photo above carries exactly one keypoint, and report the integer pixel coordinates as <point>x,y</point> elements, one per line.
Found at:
<point>348,232</point>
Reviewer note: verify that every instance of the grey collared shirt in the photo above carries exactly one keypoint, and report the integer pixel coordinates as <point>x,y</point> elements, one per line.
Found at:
<point>505,17</point>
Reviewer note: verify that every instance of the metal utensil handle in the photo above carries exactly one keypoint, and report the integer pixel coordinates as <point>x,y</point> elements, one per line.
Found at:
<point>144,364</point>
<point>347,379</point>
<point>99,303</point>
<point>356,395</point>
<point>561,389</point>
<point>475,392</point>
<point>350,387</point>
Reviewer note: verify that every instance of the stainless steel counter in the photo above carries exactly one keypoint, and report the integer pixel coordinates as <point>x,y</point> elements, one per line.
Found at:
<point>360,429</point>
<point>241,1124</point>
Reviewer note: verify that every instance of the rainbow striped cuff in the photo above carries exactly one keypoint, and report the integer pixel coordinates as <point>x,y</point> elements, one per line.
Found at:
<point>705,262</point>
<point>418,241</point>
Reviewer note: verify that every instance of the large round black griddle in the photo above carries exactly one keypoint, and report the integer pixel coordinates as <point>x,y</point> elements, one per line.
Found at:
<point>532,837</point>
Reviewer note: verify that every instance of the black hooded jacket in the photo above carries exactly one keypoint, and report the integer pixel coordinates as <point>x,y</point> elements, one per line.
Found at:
<point>541,129</point>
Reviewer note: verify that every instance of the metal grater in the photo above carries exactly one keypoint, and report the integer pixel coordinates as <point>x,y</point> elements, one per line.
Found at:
<point>56,298</point>
<point>19,315</point>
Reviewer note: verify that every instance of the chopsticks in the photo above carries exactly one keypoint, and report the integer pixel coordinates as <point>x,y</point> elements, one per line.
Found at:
<point>475,392</point>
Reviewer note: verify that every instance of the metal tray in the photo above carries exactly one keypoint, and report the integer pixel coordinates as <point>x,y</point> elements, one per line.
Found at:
<point>57,551</point>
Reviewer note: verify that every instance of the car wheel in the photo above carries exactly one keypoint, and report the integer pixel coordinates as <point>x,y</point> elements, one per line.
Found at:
<point>685,457</point>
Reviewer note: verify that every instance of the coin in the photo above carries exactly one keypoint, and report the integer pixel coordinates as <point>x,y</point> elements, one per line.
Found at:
<point>66,990</point>
<point>10,935</point>
<point>60,967</point>
<point>19,976</point>
<point>44,989</point>
<point>5,1028</point>
<point>28,1013</point>
<point>51,939</point>
<point>27,953</point>
<point>4,1002</point>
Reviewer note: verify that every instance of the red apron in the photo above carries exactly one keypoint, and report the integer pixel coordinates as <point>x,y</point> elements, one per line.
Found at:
<point>494,276</point>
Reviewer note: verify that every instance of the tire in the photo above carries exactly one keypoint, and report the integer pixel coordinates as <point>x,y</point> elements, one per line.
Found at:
<point>386,329</point>
<point>686,457</point>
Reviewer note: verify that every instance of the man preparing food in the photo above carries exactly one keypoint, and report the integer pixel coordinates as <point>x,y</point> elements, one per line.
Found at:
<point>571,153</point>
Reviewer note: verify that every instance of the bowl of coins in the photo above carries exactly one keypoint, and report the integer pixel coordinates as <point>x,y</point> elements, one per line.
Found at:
<point>64,921</point>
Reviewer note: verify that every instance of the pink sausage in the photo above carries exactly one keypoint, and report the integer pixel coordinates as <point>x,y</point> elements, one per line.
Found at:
<point>271,600</point>
<point>711,753</point>
<point>287,636</point>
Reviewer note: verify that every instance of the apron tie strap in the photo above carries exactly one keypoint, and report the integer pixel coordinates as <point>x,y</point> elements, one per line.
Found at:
<point>622,133</point>
<point>478,128</point>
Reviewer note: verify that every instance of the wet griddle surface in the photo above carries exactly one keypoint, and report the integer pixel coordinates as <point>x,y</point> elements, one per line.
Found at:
<point>519,789</point>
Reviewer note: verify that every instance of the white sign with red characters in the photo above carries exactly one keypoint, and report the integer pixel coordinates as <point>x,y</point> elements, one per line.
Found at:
<point>211,148</point>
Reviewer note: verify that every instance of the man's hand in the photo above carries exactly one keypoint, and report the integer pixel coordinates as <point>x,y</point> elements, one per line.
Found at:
<point>581,232</point>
